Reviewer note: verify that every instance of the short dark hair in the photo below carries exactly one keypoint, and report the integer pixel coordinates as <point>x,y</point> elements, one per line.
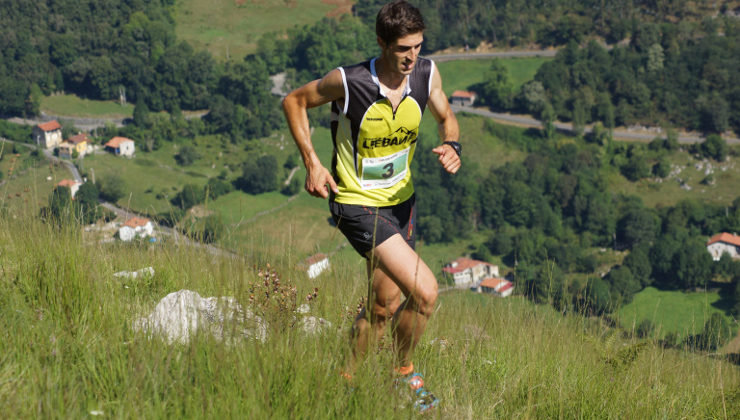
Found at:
<point>398,19</point>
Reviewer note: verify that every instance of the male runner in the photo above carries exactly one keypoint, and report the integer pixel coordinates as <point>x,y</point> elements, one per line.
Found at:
<point>377,107</point>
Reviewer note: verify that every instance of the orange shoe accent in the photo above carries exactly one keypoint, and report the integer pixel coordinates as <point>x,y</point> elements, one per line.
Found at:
<point>405,370</point>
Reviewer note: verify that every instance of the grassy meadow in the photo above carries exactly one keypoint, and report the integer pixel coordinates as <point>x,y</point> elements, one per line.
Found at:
<point>27,181</point>
<point>74,106</point>
<point>671,311</point>
<point>68,349</point>
<point>231,28</point>
<point>462,74</point>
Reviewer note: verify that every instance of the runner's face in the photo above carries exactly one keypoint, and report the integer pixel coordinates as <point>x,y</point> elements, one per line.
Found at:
<point>403,52</point>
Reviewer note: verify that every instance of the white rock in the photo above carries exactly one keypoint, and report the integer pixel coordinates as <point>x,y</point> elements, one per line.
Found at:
<point>313,325</point>
<point>181,314</point>
<point>147,271</point>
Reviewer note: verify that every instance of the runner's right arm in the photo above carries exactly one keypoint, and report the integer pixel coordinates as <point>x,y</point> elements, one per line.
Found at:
<point>310,95</point>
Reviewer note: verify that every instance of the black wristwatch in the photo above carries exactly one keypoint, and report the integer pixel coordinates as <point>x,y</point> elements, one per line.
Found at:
<point>455,145</point>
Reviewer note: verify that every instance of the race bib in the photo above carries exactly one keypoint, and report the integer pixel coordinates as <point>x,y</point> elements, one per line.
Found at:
<point>385,171</point>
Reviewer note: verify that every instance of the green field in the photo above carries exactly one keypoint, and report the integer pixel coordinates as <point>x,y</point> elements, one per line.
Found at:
<point>668,191</point>
<point>462,74</point>
<point>233,27</point>
<point>73,106</point>
<point>683,313</point>
<point>27,183</point>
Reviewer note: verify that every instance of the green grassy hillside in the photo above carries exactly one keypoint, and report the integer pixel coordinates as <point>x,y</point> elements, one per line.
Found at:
<point>68,349</point>
<point>233,27</point>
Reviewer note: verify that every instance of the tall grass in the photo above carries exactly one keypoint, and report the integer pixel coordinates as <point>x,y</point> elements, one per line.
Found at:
<point>67,347</point>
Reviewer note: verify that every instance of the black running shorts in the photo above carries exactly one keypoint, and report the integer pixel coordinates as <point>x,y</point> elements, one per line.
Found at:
<point>358,223</point>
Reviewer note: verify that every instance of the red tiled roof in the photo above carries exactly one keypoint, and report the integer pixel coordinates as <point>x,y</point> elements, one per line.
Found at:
<point>462,265</point>
<point>82,137</point>
<point>50,126</point>
<point>507,286</point>
<point>115,142</point>
<point>726,238</point>
<point>136,222</point>
<point>493,283</point>
<point>463,94</point>
<point>67,183</point>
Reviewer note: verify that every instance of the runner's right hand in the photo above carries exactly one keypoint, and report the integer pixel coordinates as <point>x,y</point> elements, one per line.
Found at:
<point>317,180</point>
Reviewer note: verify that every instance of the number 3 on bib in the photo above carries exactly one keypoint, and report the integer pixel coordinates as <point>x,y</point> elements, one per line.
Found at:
<point>385,171</point>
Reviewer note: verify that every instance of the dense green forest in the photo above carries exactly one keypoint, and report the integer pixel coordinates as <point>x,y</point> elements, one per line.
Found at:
<point>661,78</point>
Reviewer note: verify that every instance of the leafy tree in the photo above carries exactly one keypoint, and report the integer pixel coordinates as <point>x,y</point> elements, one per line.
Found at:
<point>259,175</point>
<point>187,155</point>
<point>87,202</point>
<point>597,296</point>
<point>60,205</point>
<point>638,261</point>
<point>714,147</point>
<point>662,168</point>
<point>190,195</point>
<point>294,187</point>
<point>430,229</point>
<point>216,187</point>
<point>692,264</point>
<point>639,225</point>
<point>112,188</point>
<point>496,90</point>
<point>623,283</point>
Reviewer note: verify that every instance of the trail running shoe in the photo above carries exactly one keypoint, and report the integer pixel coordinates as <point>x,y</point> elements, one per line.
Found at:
<point>423,399</point>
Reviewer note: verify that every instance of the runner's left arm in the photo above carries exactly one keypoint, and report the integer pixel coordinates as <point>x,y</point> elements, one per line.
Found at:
<point>446,125</point>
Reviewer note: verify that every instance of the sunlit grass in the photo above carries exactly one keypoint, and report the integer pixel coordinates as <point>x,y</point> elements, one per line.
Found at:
<point>233,27</point>
<point>68,348</point>
<point>74,106</point>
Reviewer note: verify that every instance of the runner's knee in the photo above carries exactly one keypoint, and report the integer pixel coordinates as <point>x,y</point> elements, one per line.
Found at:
<point>426,300</point>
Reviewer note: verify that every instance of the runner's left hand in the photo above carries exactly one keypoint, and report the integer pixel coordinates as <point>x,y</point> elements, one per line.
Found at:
<point>448,158</point>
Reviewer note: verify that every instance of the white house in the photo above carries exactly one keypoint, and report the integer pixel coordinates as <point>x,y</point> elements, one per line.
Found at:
<point>316,264</point>
<point>462,98</point>
<point>71,184</point>
<point>47,135</point>
<point>496,286</point>
<point>724,243</point>
<point>120,146</point>
<point>466,271</point>
<point>135,226</point>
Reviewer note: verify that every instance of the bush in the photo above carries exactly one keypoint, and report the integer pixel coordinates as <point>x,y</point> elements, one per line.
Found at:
<point>294,187</point>
<point>112,188</point>
<point>259,175</point>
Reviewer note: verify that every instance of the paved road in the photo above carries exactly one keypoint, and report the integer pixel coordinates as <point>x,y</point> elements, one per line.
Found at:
<point>619,134</point>
<point>498,54</point>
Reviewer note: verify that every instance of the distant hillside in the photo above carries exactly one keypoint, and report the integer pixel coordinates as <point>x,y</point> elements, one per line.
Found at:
<point>69,350</point>
<point>232,28</point>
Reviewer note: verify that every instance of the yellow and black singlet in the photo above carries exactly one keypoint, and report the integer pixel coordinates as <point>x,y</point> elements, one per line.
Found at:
<point>373,143</point>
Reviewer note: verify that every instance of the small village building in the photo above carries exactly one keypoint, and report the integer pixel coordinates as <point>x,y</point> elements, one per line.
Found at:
<point>315,265</point>
<point>466,271</point>
<point>79,143</point>
<point>136,227</point>
<point>496,286</point>
<point>47,135</point>
<point>73,185</point>
<point>120,146</point>
<point>66,150</point>
<point>462,98</point>
<point>724,243</point>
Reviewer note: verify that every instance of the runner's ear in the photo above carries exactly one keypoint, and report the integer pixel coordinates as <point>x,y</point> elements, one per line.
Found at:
<point>381,43</point>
